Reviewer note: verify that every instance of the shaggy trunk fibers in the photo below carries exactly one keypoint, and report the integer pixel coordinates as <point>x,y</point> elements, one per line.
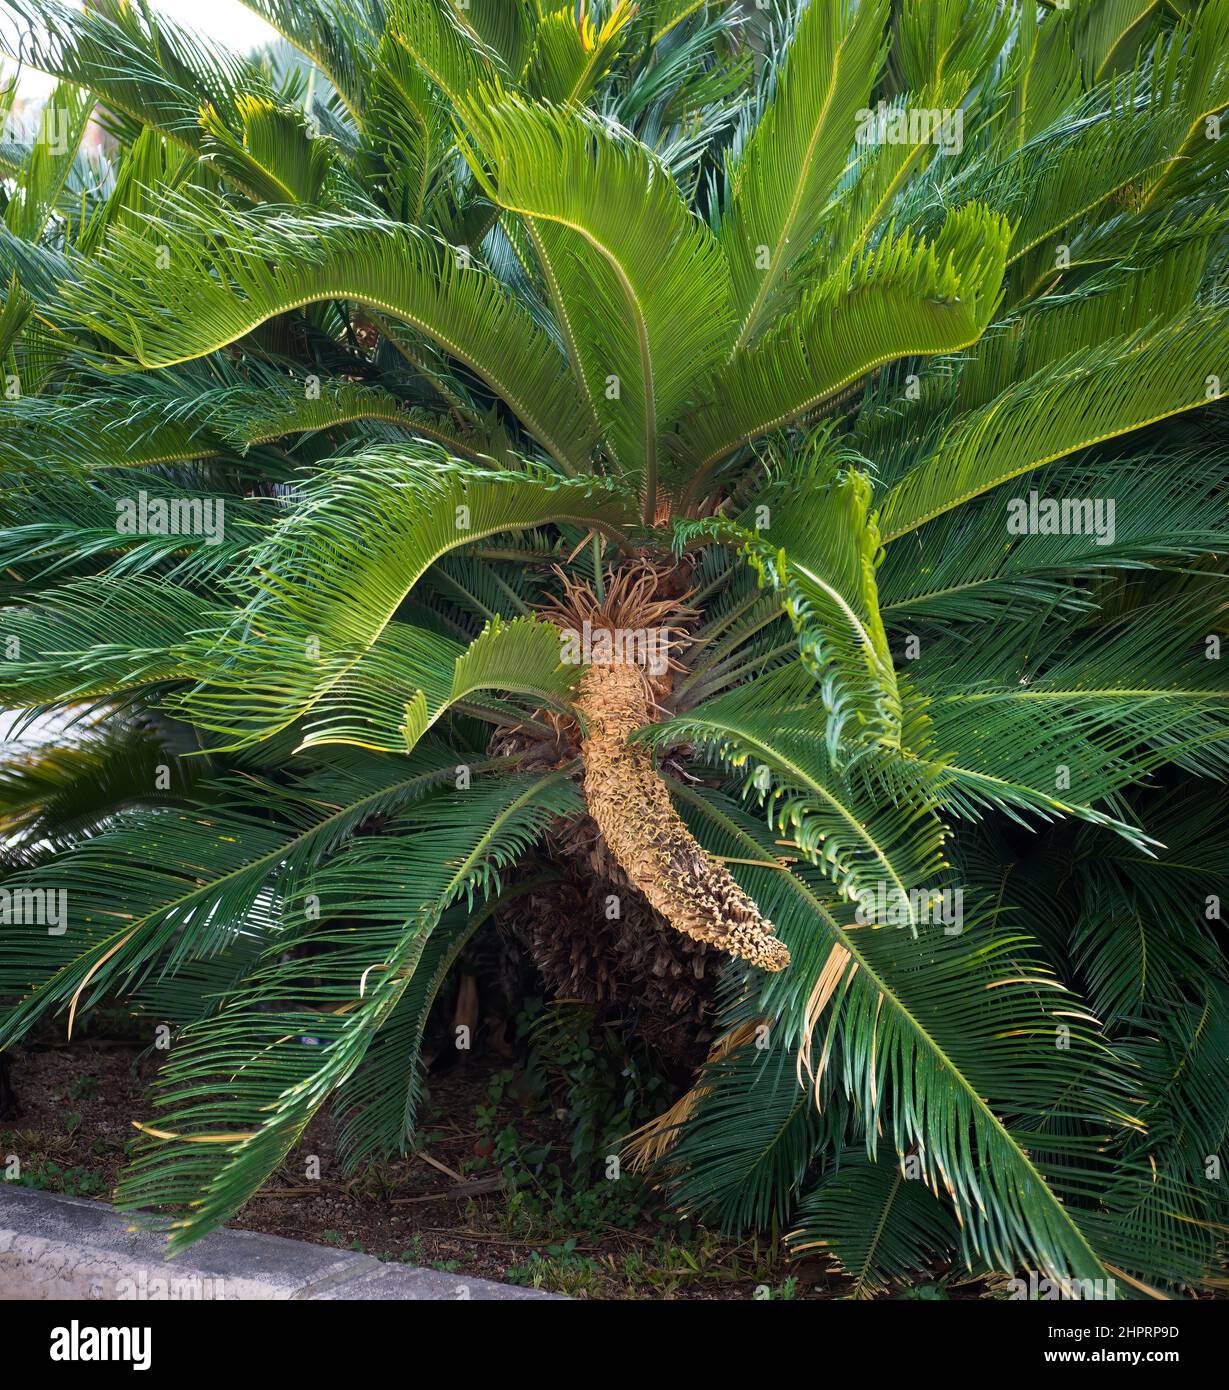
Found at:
<point>695,893</point>
<point>634,968</point>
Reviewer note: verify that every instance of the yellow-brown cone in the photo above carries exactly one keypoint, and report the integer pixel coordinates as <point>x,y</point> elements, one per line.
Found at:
<point>695,893</point>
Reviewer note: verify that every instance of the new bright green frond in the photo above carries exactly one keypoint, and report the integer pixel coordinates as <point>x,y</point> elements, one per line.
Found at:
<point>652,297</point>
<point>905,298</point>
<point>797,151</point>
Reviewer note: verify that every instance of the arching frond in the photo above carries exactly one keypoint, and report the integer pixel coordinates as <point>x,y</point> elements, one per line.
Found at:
<point>409,679</point>
<point>817,548</point>
<point>905,298</point>
<point>95,636</point>
<point>764,730</point>
<point>147,71</point>
<point>320,602</point>
<point>650,299</point>
<point>959,1057</point>
<point>1095,395</point>
<point>213,1148</point>
<point>228,272</point>
<point>191,879</point>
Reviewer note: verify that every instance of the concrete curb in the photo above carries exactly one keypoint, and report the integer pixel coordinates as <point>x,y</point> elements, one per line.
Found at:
<point>68,1248</point>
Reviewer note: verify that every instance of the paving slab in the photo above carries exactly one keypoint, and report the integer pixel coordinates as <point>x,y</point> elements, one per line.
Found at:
<point>54,1247</point>
<point>402,1283</point>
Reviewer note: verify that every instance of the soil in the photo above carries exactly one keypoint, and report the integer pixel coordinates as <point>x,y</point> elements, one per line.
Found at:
<point>443,1207</point>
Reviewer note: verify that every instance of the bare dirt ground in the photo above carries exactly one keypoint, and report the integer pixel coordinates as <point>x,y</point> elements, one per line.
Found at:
<point>448,1206</point>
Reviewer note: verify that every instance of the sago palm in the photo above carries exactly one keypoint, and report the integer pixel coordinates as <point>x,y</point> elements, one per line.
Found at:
<point>763,469</point>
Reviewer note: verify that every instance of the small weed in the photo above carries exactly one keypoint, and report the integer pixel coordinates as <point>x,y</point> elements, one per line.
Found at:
<point>48,1176</point>
<point>83,1088</point>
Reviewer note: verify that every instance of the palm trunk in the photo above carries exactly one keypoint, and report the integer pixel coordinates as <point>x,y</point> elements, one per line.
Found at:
<point>694,892</point>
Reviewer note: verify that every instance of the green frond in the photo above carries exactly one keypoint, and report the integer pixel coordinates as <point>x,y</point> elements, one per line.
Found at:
<point>269,1080</point>
<point>409,679</point>
<point>378,1105</point>
<point>862,211</point>
<point>1078,725</point>
<point>208,276</point>
<point>966,566</point>
<point>41,179</point>
<point>14,315</point>
<point>765,731</point>
<point>650,298</point>
<point>1132,957</point>
<point>875,1222</point>
<point>744,634</point>
<point>316,602</point>
<point>93,428</point>
<point>94,636</point>
<point>1157,283</point>
<point>817,548</point>
<point>151,165</point>
<point>60,527</point>
<point>505,28</point>
<point>275,406</point>
<point>1095,395</point>
<point>964,1027</point>
<point>448,52</point>
<point>792,160</point>
<point>904,298</point>
<point>1144,938</point>
<point>743,1154</point>
<point>54,794</point>
<point>407,136</point>
<point>571,54</point>
<point>667,15</point>
<point>191,878</point>
<point>273,152</point>
<point>335,36</point>
<point>1182,1055</point>
<point>1041,77</point>
<point>144,71</point>
<point>935,38</point>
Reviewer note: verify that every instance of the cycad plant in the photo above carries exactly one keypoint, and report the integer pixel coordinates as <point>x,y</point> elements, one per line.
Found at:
<point>765,469</point>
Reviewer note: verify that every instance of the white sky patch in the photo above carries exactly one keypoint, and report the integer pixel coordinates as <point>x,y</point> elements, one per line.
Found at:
<point>227,22</point>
